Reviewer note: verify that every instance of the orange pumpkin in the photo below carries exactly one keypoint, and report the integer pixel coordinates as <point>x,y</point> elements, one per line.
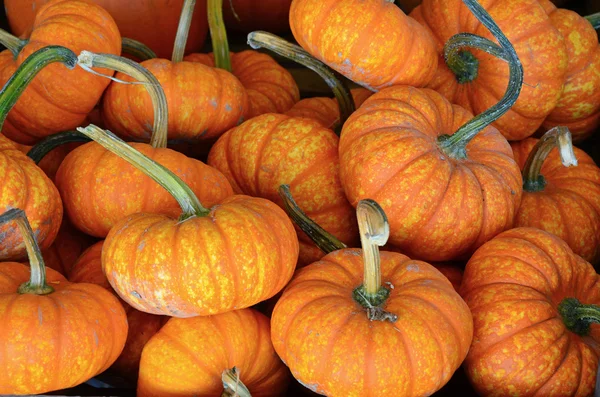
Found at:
<point>527,292</point>
<point>249,15</point>
<point>188,355</point>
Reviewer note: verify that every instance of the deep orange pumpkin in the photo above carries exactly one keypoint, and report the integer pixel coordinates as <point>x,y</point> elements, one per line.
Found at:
<point>250,15</point>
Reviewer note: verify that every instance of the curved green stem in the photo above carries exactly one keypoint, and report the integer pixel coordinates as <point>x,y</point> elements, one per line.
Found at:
<point>594,19</point>
<point>276,44</point>
<point>463,63</point>
<point>136,49</point>
<point>88,60</point>
<point>455,145</point>
<point>183,30</point>
<point>218,35</point>
<point>37,281</point>
<point>189,203</point>
<point>13,43</point>
<point>322,238</point>
<point>35,62</point>
<point>578,316</point>
<point>45,146</point>
<point>232,385</point>
<point>560,137</point>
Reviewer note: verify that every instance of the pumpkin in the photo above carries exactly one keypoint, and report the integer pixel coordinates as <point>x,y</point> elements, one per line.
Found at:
<point>476,80</point>
<point>59,98</point>
<point>57,334</point>
<point>527,291</point>
<point>560,200</point>
<point>248,15</point>
<point>371,42</point>
<point>188,355</point>
<point>402,332</point>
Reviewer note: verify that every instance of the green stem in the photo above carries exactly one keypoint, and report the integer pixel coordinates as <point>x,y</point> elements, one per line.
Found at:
<point>463,63</point>
<point>13,43</point>
<point>232,385</point>
<point>136,49</point>
<point>37,281</point>
<point>455,145</point>
<point>189,203</point>
<point>35,62</point>
<point>594,19</point>
<point>578,316</point>
<point>322,238</point>
<point>183,30</point>
<point>276,44</point>
<point>560,137</point>
<point>48,144</point>
<point>88,60</point>
<point>218,35</point>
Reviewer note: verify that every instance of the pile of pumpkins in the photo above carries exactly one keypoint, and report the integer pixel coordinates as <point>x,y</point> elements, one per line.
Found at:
<point>436,215</point>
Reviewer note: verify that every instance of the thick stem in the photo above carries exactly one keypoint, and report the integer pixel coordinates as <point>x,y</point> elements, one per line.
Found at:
<point>13,43</point>
<point>560,137</point>
<point>276,44</point>
<point>45,146</point>
<point>218,35</point>
<point>322,238</point>
<point>455,145</point>
<point>578,316</point>
<point>133,69</point>
<point>136,49</point>
<point>232,385</point>
<point>35,62</point>
<point>463,63</point>
<point>183,30</point>
<point>37,281</point>
<point>186,198</point>
<point>594,19</point>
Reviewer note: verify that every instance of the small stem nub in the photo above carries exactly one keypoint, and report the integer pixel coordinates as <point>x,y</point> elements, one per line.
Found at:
<point>37,282</point>
<point>13,43</point>
<point>183,30</point>
<point>46,145</point>
<point>136,49</point>
<point>577,316</point>
<point>232,385</point>
<point>218,35</point>
<point>557,137</point>
<point>594,19</point>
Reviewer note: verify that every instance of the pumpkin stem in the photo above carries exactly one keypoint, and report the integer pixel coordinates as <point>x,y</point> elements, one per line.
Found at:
<point>577,316</point>
<point>218,35</point>
<point>46,145</point>
<point>462,62</point>
<point>37,281</point>
<point>35,62</point>
<point>143,76</point>
<point>594,19</point>
<point>374,232</point>
<point>189,203</point>
<point>232,385</point>
<point>560,137</point>
<point>455,145</point>
<point>136,49</point>
<point>321,237</point>
<point>276,44</point>
<point>183,30</point>
<point>13,43</point>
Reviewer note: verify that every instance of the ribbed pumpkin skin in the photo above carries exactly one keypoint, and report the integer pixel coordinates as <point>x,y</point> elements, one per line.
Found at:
<point>59,99</point>
<point>187,356</point>
<point>24,185</point>
<point>540,48</point>
<point>242,253</point>
<point>372,42</point>
<point>513,285</point>
<point>203,102</point>
<point>251,15</point>
<point>270,87</point>
<point>51,161</point>
<point>439,208</point>
<point>59,340</point>
<point>326,339</point>
<point>579,106</point>
<point>99,188</point>
<point>274,149</point>
<point>569,205</point>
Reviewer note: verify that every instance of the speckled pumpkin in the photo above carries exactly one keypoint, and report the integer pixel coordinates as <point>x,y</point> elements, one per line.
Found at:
<point>513,285</point>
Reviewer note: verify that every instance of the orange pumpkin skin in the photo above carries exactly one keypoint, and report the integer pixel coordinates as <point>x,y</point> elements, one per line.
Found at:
<point>24,185</point>
<point>274,149</point>
<point>59,340</point>
<point>439,208</point>
<point>242,253</point>
<point>270,87</point>
<point>540,48</point>
<point>372,42</point>
<point>318,329</point>
<point>187,356</point>
<point>569,204</point>
<point>203,102</point>
<point>50,163</point>
<point>513,285</point>
<point>452,272</point>
<point>99,188</point>
<point>59,99</point>
<point>249,15</point>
